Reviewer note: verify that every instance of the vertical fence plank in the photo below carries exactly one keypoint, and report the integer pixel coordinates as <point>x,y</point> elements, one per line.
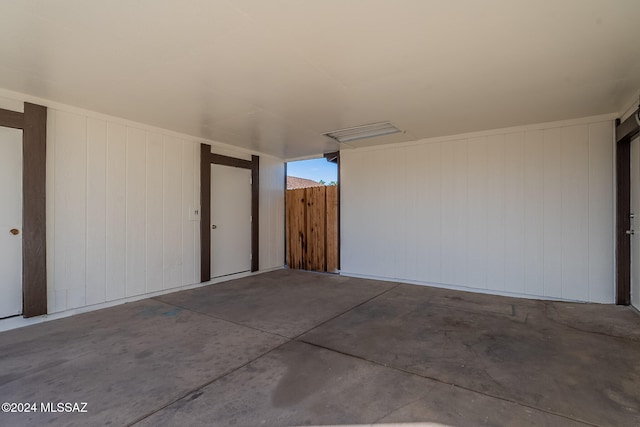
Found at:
<point>332,228</point>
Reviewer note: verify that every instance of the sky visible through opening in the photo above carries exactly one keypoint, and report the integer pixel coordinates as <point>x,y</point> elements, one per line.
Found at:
<point>314,169</point>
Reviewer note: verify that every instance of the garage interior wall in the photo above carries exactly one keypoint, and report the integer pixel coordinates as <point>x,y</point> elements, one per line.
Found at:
<point>524,211</point>
<point>119,197</point>
<point>271,234</point>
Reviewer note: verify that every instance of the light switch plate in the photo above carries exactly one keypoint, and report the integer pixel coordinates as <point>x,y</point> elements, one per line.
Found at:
<point>194,213</point>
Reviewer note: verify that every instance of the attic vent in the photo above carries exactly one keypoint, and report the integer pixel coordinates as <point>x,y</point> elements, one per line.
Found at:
<point>363,132</point>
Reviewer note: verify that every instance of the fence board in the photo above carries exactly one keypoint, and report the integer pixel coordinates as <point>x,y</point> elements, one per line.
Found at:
<point>296,201</point>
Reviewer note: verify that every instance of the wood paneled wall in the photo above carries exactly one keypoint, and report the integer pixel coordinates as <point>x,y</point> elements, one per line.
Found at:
<point>522,212</point>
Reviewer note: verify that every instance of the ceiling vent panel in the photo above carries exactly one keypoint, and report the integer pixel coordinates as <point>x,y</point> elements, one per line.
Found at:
<point>363,132</point>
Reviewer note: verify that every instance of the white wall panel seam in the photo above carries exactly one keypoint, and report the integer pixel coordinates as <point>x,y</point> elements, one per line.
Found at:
<point>106,214</point>
<point>486,221</point>
<point>562,207</point>
<point>441,208</point>
<point>181,218</point>
<point>86,184</point>
<point>163,140</point>
<point>86,203</point>
<point>181,215</point>
<point>589,278</point>
<point>544,224</point>
<point>487,212</point>
<point>464,214</point>
<point>126,211</point>
<point>503,208</point>
<point>523,212</point>
<point>146,214</point>
<point>164,203</point>
<point>613,207</point>
<point>51,142</point>
<point>182,210</point>
<point>146,208</point>
<point>106,186</point>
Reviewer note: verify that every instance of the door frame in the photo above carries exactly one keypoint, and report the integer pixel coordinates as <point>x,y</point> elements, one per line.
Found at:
<point>625,132</point>
<point>33,123</point>
<point>207,158</point>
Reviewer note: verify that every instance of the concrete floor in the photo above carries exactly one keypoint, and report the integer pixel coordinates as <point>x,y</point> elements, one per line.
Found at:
<point>298,348</point>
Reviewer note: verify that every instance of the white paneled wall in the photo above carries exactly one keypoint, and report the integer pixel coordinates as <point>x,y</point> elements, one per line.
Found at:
<point>119,198</point>
<point>118,211</point>
<point>525,212</point>
<point>272,184</point>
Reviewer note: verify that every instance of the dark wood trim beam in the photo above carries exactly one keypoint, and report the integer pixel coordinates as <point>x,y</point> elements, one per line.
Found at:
<point>219,159</point>
<point>255,213</point>
<point>284,220</point>
<point>34,267</point>
<point>623,221</point>
<point>332,157</point>
<point>629,128</point>
<point>205,213</point>
<point>12,119</point>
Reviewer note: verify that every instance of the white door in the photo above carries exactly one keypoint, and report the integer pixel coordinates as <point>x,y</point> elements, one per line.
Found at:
<point>635,222</point>
<point>230,220</point>
<point>10,222</point>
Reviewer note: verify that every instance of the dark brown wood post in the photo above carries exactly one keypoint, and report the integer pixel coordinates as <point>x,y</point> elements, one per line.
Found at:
<point>255,213</point>
<point>205,212</point>
<point>34,267</point>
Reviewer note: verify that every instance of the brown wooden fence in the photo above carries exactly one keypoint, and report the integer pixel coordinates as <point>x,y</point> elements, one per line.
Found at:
<point>312,228</point>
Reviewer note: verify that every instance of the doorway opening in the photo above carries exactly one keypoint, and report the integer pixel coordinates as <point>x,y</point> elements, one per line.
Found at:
<point>312,214</point>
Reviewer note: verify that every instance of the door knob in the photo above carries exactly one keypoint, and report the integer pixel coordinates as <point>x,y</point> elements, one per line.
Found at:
<point>213,227</point>
<point>14,231</point>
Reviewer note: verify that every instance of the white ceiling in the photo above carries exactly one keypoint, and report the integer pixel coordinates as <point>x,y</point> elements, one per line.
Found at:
<point>272,76</point>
